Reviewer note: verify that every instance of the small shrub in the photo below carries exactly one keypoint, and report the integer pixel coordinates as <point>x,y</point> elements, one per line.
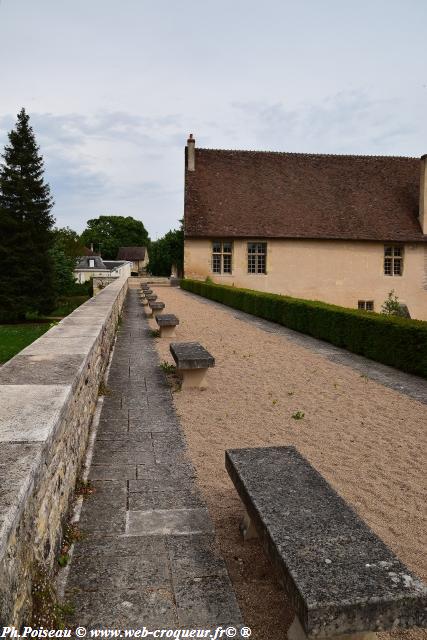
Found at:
<point>103,390</point>
<point>391,306</point>
<point>155,333</point>
<point>84,487</point>
<point>168,368</point>
<point>298,415</point>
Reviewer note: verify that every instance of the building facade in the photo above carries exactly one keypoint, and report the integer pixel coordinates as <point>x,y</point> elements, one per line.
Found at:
<point>137,256</point>
<point>341,229</point>
<point>89,267</point>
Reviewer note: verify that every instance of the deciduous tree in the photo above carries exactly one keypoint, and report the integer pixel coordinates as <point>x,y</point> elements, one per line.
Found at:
<point>167,252</point>
<point>108,233</point>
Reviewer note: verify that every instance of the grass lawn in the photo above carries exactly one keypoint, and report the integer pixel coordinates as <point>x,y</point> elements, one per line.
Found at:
<point>67,304</point>
<point>14,337</point>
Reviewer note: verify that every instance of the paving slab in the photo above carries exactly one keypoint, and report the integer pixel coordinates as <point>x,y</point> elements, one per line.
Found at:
<point>165,522</point>
<point>148,536</point>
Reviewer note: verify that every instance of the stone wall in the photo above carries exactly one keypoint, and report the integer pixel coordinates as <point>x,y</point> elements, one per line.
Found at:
<point>48,393</point>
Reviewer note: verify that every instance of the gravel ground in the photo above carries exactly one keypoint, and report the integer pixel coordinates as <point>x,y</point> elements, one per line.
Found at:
<point>367,440</point>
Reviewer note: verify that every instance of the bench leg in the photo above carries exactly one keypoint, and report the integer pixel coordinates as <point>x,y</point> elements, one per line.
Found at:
<point>296,632</point>
<point>193,378</point>
<point>157,312</point>
<point>247,528</point>
<point>167,332</point>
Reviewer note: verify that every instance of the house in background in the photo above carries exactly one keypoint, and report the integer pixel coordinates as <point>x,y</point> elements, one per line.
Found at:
<point>138,256</point>
<point>341,229</point>
<point>94,267</point>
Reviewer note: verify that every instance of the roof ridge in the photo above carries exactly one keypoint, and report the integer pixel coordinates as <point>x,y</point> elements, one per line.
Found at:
<point>306,154</point>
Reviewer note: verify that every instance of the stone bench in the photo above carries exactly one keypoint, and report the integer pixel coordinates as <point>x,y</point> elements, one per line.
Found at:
<point>167,323</point>
<point>342,580</point>
<point>192,361</point>
<point>156,307</point>
<point>151,297</point>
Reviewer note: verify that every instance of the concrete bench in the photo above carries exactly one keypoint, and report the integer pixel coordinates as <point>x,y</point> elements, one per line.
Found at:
<point>167,323</point>
<point>342,580</point>
<point>156,307</point>
<point>192,361</point>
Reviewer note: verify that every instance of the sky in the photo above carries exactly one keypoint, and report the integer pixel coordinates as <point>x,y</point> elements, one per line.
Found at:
<point>113,88</point>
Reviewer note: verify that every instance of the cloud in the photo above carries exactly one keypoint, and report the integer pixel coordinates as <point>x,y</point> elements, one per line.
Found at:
<point>347,122</point>
<point>111,161</point>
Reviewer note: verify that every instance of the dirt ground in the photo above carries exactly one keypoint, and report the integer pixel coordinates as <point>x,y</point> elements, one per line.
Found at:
<point>368,441</point>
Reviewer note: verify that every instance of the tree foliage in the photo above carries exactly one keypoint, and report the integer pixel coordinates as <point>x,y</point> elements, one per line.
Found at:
<point>26,277</point>
<point>108,233</point>
<point>167,252</point>
<point>69,242</point>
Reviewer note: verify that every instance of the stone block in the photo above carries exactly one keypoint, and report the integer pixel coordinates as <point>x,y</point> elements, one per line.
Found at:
<point>167,320</point>
<point>167,323</point>
<point>191,355</point>
<point>31,412</point>
<point>340,577</point>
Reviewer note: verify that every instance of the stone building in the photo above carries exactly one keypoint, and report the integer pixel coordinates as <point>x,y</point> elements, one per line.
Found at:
<point>138,256</point>
<point>342,229</point>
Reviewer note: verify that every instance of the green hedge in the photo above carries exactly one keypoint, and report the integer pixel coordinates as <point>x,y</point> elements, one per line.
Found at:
<point>394,341</point>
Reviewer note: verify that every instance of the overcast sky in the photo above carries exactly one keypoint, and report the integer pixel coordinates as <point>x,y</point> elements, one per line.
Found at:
<point>114,87</point>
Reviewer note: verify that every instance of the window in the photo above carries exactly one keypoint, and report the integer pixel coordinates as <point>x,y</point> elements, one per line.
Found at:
<point>257,254</point>
<point>393,260</point>
<point>366,305</point>
<point>91,263</point>
<point>222,256</point>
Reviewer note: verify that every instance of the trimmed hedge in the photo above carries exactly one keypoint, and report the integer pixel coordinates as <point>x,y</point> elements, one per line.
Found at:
<point>398,342</point>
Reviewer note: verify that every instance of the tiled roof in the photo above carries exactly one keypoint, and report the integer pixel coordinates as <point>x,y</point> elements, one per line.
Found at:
<point>84,263</point>
<point>131,253</point>
<point>261,194</point>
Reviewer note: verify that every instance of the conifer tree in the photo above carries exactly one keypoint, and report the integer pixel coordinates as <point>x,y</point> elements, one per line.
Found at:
<point>26,274</point>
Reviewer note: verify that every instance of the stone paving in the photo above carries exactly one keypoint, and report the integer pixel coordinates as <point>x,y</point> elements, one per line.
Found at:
<point>148,556</point>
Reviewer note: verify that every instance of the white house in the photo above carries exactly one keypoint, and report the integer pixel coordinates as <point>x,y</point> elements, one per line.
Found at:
<point>94,267</point>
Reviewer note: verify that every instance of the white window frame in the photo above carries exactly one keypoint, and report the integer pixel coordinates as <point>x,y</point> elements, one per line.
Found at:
<point>222,259</point>
<point>393,256</point>
<point>362,305</point>
<point>260,257</point>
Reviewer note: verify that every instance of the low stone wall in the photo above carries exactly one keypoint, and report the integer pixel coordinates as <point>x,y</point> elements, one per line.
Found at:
<point>48,393</point>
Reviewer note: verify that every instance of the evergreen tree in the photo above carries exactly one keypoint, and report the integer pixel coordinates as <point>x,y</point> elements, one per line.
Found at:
<point>26,276</point>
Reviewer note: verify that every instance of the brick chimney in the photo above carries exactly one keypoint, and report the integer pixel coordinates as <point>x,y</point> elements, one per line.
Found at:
<point>423,195</point>
<point>191,154</point>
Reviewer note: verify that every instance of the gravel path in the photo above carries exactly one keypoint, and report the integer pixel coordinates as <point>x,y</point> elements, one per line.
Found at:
<point>368,440</point>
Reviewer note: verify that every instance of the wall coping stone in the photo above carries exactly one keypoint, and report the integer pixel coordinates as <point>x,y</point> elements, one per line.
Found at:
<point>36,391</point>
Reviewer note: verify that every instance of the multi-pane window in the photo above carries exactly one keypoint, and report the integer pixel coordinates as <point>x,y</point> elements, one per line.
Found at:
<point>257,257</point>
<point>222,253</point>
<point>366,305</point>
<point>393,260</point>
